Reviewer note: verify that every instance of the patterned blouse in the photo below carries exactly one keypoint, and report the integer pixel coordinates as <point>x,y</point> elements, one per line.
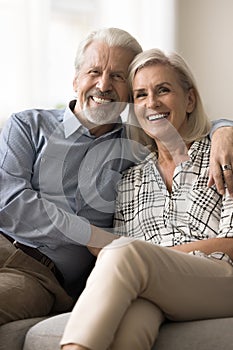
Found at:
<point>192,211</point>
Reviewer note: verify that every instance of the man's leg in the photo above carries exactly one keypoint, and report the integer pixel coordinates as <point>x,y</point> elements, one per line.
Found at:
<point>22,296</point>
<point>27,287</point>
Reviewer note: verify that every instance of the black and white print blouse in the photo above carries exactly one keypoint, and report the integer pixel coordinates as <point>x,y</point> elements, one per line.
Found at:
<point>145,209</point>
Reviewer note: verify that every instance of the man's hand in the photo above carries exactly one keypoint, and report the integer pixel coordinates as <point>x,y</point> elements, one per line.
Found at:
<point>222,154</point>
<point>94,251</point>
<point>99,239</point>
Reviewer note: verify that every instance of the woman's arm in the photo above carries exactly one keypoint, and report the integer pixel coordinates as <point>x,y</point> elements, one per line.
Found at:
<point>208,246</point>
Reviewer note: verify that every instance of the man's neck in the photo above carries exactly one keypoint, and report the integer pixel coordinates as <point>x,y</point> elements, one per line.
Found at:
<point>100,130</point>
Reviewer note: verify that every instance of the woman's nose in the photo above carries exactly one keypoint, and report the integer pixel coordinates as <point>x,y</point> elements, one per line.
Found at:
<point>153,101</point>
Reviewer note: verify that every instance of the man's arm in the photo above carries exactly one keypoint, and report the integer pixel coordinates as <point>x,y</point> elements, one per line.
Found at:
<point>221,154</point>
<point>24,212</point>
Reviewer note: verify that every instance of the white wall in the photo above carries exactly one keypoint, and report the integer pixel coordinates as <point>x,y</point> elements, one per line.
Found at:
<point>150,21</point>
<point>200,30</point>
<point>205,39</point>
<point>39,39</point>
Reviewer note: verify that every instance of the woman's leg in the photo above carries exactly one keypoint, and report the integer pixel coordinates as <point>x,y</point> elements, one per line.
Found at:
<point>183,286</point>
<point>138,329</point>
<point>74,347</point>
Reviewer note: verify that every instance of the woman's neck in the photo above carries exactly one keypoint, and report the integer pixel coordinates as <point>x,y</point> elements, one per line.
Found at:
<point>172,150</point>
<point>170,155</point>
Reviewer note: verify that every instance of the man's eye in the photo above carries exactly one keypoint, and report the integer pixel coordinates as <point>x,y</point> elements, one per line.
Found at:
<point>117,77</point>
<point>94,72</point>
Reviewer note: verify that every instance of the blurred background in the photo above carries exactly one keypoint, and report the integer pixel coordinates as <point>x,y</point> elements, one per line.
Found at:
<point>39,39</point>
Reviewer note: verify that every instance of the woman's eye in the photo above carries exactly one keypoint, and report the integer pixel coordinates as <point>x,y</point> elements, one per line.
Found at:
<point>163,90</point>
<point>139,95</point>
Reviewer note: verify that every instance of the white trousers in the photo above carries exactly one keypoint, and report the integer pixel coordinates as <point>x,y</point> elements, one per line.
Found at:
<point>135,284</point>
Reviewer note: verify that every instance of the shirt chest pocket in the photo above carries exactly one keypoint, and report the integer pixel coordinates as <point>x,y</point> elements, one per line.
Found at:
<point>98,189</point>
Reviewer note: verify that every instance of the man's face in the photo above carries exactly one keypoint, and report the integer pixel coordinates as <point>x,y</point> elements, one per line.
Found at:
<point>101,84</point>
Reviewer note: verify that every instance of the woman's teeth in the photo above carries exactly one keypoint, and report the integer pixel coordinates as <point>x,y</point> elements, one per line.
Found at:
<point>156,116</point>
<point>100,100</point>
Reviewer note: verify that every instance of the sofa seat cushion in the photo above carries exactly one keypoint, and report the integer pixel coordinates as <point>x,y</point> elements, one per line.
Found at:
<point>12,334</point>
<point>46,335</point>
<point>213,334</point>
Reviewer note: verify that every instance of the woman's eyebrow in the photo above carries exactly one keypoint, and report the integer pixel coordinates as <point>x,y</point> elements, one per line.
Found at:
<point>140,89</point>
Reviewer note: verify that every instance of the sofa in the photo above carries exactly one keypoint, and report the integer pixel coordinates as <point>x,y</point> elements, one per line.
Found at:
<point>45,333</point>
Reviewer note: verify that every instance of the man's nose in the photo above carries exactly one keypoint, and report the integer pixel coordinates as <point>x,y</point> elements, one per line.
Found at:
<point>104,83</point>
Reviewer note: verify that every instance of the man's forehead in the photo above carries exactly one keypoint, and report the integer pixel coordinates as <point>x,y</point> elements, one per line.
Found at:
<point>99,54</point>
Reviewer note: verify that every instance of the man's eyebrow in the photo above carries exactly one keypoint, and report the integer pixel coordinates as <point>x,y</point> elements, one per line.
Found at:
<point>93,66</point>
<point>118,71</point>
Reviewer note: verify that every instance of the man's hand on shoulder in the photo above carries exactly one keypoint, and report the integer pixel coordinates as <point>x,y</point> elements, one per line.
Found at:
<point>221,160</point>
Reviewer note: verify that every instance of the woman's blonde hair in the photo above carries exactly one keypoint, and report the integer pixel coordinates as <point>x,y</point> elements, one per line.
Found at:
<point>198,122</point>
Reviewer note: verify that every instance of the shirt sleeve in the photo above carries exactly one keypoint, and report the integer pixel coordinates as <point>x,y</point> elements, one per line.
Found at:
<point>24,213</point>
<point>219,124</point>
<point>119,221</point>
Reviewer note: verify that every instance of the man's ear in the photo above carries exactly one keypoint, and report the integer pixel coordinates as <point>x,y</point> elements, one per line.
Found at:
<point>191,100</point>
<point>75,83</point>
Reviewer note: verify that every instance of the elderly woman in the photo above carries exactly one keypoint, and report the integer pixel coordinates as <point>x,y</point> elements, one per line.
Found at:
<point>188,273</point>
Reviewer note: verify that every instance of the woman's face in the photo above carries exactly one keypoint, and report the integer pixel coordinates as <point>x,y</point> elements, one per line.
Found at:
<point>160,102</point>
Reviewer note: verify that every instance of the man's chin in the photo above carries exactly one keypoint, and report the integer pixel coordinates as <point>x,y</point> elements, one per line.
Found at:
<point>101,119</point>
<point>107,114</point>
<point>101,114</point>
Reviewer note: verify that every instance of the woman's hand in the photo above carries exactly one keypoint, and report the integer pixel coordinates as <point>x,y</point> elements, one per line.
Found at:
<point>222,154</point>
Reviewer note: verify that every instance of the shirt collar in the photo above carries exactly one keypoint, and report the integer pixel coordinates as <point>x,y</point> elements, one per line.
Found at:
<point>72,124</point>
<point>202,146</point>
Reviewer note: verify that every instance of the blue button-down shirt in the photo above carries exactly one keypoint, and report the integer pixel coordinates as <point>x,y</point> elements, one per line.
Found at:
<point>55,179</point>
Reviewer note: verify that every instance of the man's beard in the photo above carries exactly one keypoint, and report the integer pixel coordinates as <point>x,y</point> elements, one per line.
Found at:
<point>104,114</point>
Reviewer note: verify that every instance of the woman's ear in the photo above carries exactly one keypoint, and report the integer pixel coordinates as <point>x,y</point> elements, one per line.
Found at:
<point>191,100</point>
